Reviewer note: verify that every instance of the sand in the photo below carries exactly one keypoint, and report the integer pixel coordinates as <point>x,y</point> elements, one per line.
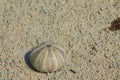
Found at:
<point>76,25</point>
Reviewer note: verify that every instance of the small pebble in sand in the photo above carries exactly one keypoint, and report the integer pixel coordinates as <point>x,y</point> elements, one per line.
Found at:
<point>115,25</point>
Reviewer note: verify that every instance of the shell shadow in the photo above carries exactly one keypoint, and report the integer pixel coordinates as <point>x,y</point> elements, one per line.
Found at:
<point>27,60</point>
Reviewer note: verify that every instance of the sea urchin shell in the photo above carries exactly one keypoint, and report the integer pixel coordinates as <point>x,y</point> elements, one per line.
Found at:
<point>48,58</point>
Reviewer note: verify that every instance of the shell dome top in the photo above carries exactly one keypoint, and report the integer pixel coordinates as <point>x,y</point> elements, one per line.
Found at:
<point>48,58</point>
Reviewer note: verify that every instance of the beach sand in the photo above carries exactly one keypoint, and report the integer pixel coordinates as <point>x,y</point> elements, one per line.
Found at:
<point>79,26</point>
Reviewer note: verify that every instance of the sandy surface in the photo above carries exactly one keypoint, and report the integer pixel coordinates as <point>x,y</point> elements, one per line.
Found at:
<point>76,25</point>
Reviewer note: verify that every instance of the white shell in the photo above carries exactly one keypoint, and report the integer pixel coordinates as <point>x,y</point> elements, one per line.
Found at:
<point>48,58</point>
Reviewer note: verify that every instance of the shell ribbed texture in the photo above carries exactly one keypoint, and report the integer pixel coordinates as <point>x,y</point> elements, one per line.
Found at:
<point>48,58</point>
